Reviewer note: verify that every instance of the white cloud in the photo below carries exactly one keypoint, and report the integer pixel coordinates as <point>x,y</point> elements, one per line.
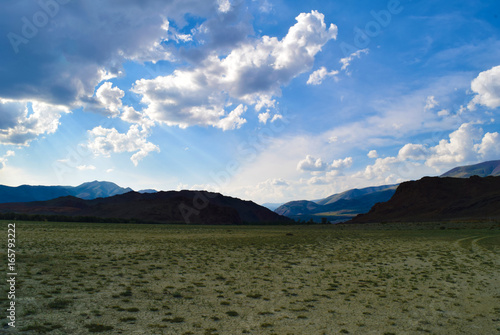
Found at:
<point>263,117</point>
<point>489,148</point>
<point>413,151</point>
<point>311,164</point>
<point>224,6</point>
<point>252,73</point>
<point>277,117</point>
<point>66,60</point>
<point>85,167</point>
<point>463,146</point>
<point>458,149</point>
<point>317,77</point>
<point>317,181</point>
<point>184,37</point>
<point>23,121</point>
<point>372,154</point>
<point>105,141</point>
<point>379,168</point>
<point>487,89</point>
<point>342,163</point>
<point>346,61</point>
<point>110,98</point>
<point>443,112</point>
<point>430,103</point>
<point>233,120</point>
<point>3,159</point>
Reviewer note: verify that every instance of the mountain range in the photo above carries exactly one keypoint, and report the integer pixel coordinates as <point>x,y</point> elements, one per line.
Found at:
<point>197,207</point>
<point>90,190</point>
<point>338,207</point>
<point>108,200</point>
<point>346,205</point>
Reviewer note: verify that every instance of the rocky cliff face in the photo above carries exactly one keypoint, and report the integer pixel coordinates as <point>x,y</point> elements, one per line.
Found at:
<point>438,199</point>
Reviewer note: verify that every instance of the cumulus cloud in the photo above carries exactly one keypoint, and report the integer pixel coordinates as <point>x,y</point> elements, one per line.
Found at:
<point>487,89</point>
<point>23,121</point>
<point>378,169</point>
<point>346,61</point>
<point>311,164</point>
<point>342,163</point>
<point>64,61</point>
<point>372,154</point>
<point>110,98</point>
<point>489,148</point>
<point>234,119</point>
<point>104,141</point>
<point>263,117</point>
<point>459,148</point>
<point>413,151</point>
<point>252,73</point>
<point>317,77</point>
<point>465,145</point>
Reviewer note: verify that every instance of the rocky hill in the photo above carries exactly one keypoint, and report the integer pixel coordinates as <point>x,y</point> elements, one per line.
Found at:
<point>438,199</point>
<point>198,207</point>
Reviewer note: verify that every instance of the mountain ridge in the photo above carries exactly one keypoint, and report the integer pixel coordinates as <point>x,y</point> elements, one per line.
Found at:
<point>89,190</point>
<point>484,169</point>
<point>439,199</point>
<point>338,207</point>
<point>198,207</point>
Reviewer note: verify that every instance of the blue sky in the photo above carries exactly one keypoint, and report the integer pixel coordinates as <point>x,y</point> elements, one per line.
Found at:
<point>264,100</point>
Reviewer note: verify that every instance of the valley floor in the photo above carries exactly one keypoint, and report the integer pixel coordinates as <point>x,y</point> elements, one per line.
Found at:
<point>78,278</point>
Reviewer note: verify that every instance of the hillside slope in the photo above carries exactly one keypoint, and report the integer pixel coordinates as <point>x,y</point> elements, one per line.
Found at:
<point>199,207</point>
<point>438,199</point>
<point>491,168</point>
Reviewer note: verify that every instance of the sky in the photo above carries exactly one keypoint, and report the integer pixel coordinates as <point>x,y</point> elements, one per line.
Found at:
<point>265,100</point>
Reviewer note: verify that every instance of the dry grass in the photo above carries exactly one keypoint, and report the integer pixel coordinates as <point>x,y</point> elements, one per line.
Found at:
<point>158,279</point>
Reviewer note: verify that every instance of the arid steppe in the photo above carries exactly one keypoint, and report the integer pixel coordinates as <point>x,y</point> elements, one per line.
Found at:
<point>78,278</point>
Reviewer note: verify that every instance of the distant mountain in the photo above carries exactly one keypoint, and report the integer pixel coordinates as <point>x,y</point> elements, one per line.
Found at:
<point>198,207</point>
<point>338,207</point>
<point>438,199</point>
<point>272,205</point>
<point>491,168</point>
<point>356,194</point>
<point>98,189</point>
<point>90,190</point>
<point>147,191</point>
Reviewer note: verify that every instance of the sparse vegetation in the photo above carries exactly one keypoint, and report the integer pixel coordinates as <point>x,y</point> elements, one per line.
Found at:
<point>124,278</point>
